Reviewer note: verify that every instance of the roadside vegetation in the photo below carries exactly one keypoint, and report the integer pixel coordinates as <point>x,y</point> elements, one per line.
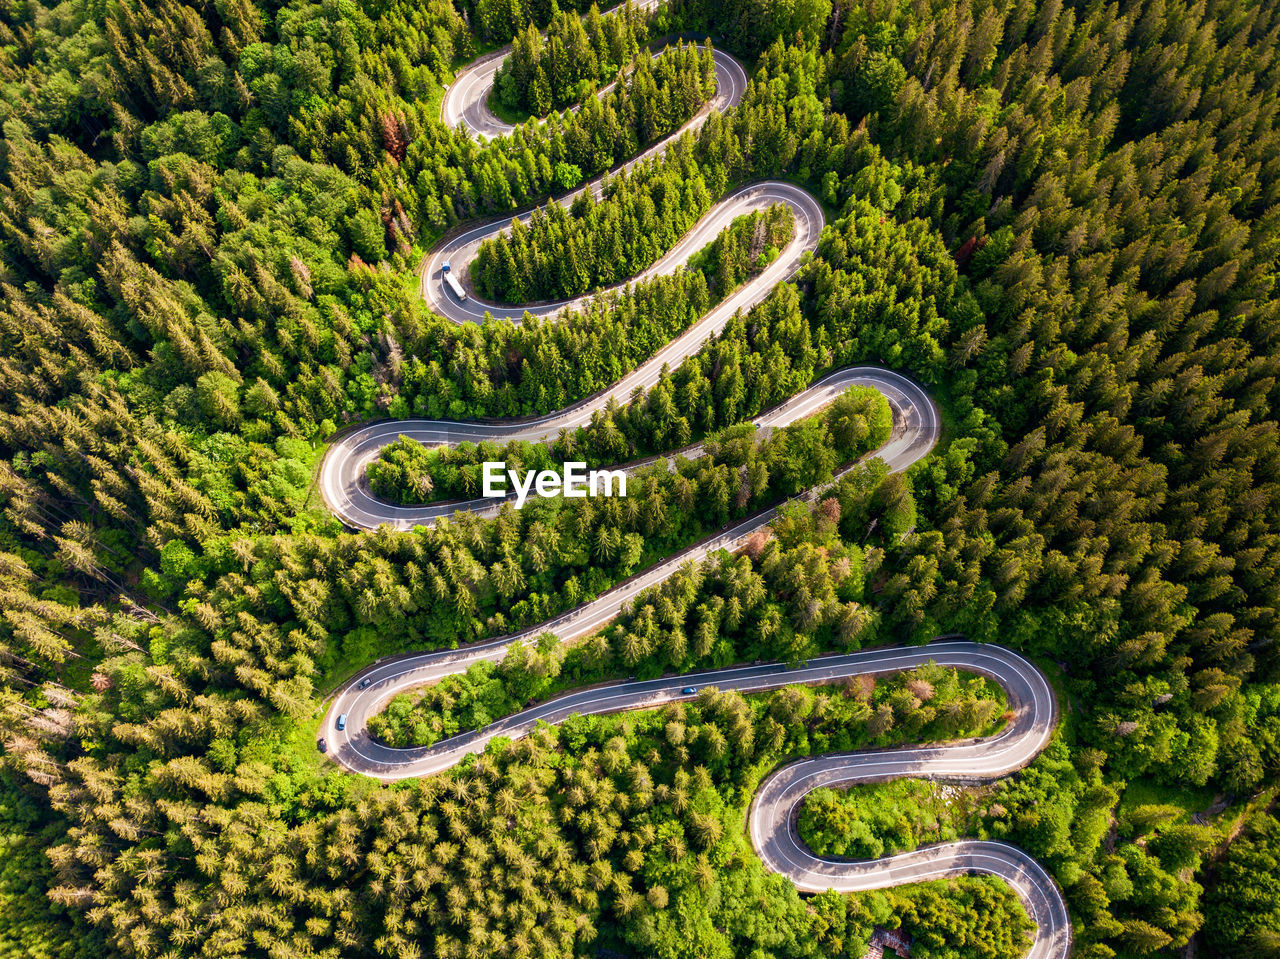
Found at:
<point>566,66</point>
<point>1063,211</point>
<point>867,822</point>
<point>877,714</point>
<point>408,472</point>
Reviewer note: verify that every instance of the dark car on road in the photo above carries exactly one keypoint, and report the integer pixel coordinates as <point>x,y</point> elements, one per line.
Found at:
<point>322,746</point>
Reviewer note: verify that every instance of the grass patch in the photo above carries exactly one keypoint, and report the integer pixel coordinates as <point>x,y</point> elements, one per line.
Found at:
<point>297,743</point>
<point>947,415</point>
<point>314,502</point>
<point>435,99</point>
<point>505,113</point>
<point>1187,799</point>
<point>1067,715</point>
<point>302,779</point>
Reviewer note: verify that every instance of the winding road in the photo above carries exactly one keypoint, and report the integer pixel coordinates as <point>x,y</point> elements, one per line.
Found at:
<point>772,823</point>
<point>776,807</point>
<point>343,471</point>
<point>466,100</point>
<point>773,816</point>
<point>459,250</point>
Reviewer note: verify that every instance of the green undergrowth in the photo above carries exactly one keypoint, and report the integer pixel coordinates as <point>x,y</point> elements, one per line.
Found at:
<point>880,819</point>
<point>513,115</point>
<point>1242,909</point>
<point>1187,800</point>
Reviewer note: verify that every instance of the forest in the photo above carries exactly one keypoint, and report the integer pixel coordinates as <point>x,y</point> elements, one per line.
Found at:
<point>1060,217</point>
<point>561,254</point>
<point>1243,909</point>
<point>576,54</point>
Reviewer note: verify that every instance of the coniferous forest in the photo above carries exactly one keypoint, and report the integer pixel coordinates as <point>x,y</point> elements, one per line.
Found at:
<point>1061,218</point>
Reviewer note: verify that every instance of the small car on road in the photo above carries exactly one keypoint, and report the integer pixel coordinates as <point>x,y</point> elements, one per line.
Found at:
<point>688,690</point>
<point>364,683</point>
<point>322,746</point>
<point>342,721</point>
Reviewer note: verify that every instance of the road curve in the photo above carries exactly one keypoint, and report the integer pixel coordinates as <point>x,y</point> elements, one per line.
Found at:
<point>772,822</point>
<point>774,812</point>
<point>345,490</point>
<point>466,100</point>
<point>776,807</point>
<point>460,250</point>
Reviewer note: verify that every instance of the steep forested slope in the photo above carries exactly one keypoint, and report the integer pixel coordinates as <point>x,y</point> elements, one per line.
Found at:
<point>1061,216</point>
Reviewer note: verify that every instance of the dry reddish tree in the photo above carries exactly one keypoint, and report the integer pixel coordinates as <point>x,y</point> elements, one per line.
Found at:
<point>860,687</point>
<point>921,689</point>
<point>395,136</point>
<point>755,543</point>
<point>396,223</point>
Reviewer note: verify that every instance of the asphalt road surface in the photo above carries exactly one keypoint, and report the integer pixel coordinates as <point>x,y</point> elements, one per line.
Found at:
<point>776,807</point>
<point>466,101</point>
<point>772,822</point>
<point>343,482</point>
<point>774,812</point>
